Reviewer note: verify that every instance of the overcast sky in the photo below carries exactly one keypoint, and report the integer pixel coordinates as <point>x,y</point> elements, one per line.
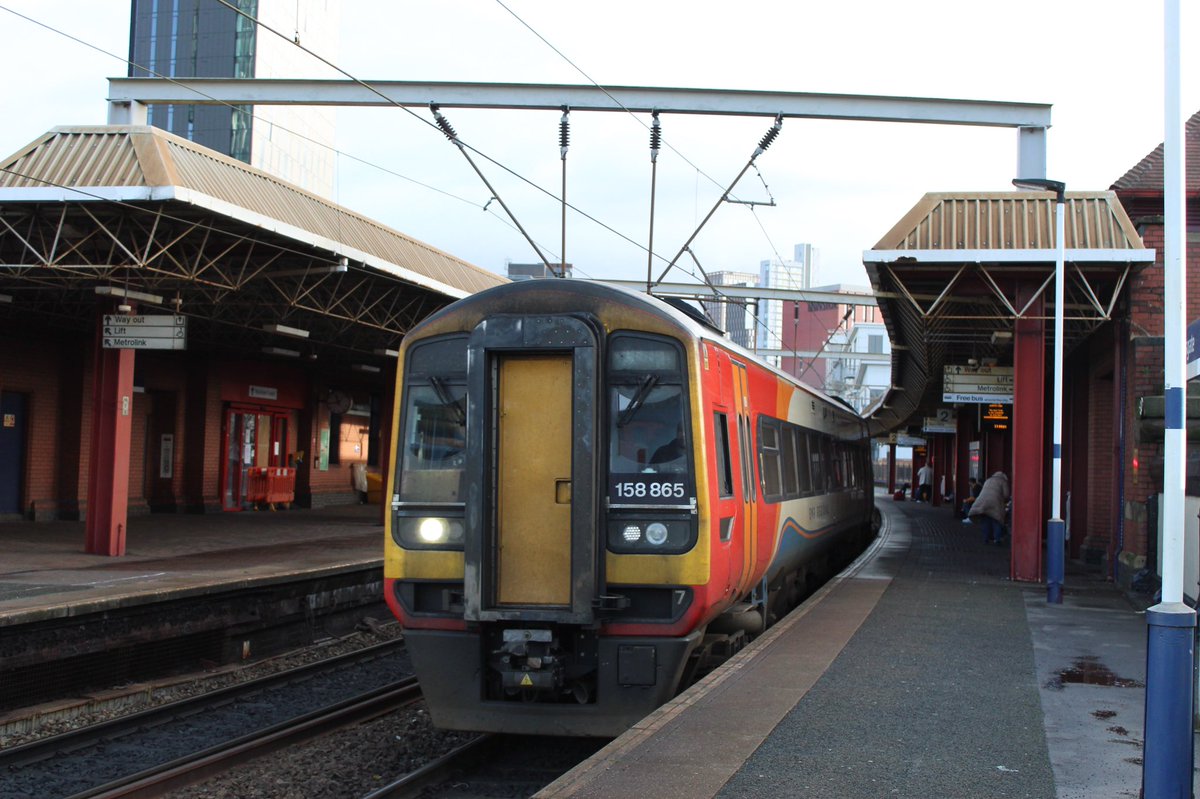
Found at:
<point>838,185</point>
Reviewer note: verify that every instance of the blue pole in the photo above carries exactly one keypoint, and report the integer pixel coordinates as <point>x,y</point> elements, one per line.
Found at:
<point>1167,765</point>
<point>1055,545</point>
<point>1167,768</point>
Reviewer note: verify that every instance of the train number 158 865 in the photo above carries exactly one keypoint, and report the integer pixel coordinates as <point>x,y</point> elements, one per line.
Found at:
<point>637,489</point>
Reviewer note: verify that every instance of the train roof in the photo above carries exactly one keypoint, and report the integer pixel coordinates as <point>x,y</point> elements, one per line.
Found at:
<point>534,295</point>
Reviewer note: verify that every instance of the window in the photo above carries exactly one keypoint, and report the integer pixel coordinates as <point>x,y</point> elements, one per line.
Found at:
<point>875,344</point>
<point>791,487</point>
<point>724,471</point>
<point>434,437</point>
<point>647,408</point>
<point>768,453</point>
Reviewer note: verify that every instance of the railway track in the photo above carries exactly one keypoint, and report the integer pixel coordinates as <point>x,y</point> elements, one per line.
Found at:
<point>147,753</point>
<point>493,767</point>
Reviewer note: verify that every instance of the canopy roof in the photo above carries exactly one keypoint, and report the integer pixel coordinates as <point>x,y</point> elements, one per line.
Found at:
<point>138,209</point>
<point>954,274</point>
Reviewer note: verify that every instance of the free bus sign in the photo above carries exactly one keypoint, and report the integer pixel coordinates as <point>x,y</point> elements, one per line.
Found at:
<point>157,332</point>
<point>983,384</point>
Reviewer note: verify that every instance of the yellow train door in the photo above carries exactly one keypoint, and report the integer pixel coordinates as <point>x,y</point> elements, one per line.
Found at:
<point>533,473</point>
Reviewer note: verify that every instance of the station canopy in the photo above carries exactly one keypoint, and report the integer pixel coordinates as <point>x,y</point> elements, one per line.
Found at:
<point>252,261</point>
<point>956,272</point>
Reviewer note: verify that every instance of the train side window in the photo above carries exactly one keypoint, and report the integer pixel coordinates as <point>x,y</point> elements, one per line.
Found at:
<point>787,446</point>
<point>768,453</point>
<point>818,463</point>
<point>724,472</point>
<point>748,490</point>
<point>803,464</point>
<point>835,462</point>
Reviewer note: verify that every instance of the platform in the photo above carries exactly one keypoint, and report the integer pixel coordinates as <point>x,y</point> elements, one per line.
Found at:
<point>45,574</point>
<point>922,671</point>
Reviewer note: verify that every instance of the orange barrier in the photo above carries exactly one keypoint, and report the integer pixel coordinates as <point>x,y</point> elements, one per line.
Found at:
<point>281,484</point>
<point>256,485</point>
<point>270,485</point>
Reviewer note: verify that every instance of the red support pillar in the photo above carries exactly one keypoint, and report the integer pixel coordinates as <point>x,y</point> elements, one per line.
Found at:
<point>108,472</point>
<point>1028,424</point>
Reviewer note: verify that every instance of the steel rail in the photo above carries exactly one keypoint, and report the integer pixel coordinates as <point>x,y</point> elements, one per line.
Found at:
<point>175,774</point>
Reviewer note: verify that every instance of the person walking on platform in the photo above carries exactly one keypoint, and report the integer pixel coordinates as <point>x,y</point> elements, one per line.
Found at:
<point>925,483</point>
<point>973,489</point>
<point>990,508</point>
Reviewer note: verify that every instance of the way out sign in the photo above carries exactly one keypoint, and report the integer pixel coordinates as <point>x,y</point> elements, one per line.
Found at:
<point>158,332</point>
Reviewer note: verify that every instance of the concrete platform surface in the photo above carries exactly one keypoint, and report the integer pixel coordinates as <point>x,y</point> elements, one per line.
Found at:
<point>44,572</point>
<point>922,671</point>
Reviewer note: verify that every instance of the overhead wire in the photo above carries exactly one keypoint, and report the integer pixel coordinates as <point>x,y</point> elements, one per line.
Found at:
<point>656,137</point>
<point>242,110</point>
<point>357,159</point>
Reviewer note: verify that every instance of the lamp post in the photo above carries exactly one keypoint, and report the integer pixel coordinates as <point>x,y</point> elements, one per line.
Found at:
<point>1055,527</point>
<point>1171,624</point>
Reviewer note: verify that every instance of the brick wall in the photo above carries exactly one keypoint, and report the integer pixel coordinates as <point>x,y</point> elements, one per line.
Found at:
<point>1143,467</point>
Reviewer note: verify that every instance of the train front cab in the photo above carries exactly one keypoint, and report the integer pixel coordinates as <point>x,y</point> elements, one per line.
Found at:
<point>547,535</point>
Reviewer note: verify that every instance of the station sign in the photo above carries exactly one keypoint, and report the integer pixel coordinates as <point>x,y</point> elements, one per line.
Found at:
<point>1193,352</point>
<point>981,384</point>
<point>156,332</point>
<point>944,420</point>
<point>996,416</point>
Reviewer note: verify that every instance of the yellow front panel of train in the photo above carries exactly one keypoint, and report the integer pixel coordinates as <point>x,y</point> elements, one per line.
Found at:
<point>534,490</point>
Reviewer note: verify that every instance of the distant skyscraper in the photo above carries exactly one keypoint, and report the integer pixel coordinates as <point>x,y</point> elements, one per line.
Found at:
<point>731,315</point>
<point>775,274</point>
<point>203,38</point>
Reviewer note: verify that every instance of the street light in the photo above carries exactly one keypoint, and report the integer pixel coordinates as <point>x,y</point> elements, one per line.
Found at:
<point>1055,527</point>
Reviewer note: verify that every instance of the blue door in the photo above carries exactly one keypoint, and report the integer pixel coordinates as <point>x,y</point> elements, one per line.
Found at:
<point>13,410</point>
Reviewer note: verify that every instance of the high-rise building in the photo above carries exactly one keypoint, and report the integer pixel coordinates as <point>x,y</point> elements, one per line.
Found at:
<point>774,316</point>
<point>730,314</point>
<point>206,39</point>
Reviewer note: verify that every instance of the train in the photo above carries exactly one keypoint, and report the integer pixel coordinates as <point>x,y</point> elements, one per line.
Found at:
<point>594,490</point>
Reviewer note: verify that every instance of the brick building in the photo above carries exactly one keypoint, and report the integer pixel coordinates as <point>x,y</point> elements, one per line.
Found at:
<point>1139,452</point>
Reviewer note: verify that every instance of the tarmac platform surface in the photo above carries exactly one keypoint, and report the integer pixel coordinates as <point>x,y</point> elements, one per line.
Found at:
<point>45,573</point>
<point>922,671</point>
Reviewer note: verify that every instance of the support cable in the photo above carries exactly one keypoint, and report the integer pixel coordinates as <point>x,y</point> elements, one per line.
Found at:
<point>449,132</point>
<point>564,139</point>
<point>763,144</point>
<point>655,145</point>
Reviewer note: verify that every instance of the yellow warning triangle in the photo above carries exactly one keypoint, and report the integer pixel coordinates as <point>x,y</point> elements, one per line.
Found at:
<point>526,681</point>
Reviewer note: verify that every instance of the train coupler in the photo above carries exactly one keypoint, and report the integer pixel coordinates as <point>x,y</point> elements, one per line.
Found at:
<point>528,661</point>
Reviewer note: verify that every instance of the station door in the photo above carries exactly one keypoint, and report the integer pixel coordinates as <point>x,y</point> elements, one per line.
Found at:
<point>252,438</point>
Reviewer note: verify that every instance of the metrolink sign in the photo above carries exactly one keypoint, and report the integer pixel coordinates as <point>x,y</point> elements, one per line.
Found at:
<point>983,384</point>
<point>157,332</point>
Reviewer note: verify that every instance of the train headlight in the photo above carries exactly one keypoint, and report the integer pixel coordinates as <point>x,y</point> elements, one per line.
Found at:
<point>656,533</point>
<point>433,530</point>
<point>661,536</point>
<point>428,532</point>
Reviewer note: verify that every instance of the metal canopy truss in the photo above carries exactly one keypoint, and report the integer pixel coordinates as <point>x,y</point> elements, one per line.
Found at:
<point>88,210</point>
<point>231,278</point>
<point>128,98</point>
<point>955,274</point>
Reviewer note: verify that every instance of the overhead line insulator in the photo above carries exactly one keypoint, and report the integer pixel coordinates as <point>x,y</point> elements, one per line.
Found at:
<point>443,123</point>
<point>655,138</point>
<point>564,132</point>
<point>769,136</point>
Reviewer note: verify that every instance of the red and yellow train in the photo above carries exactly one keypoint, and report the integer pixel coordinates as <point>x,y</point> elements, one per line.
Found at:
<point>592,486</point>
